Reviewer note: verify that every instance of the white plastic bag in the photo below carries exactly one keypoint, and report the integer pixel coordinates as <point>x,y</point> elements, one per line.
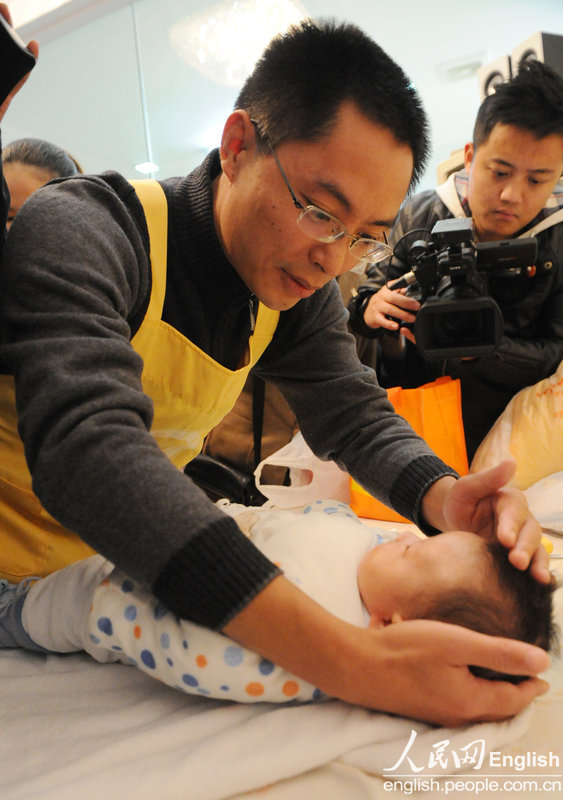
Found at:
<point>310,478</point>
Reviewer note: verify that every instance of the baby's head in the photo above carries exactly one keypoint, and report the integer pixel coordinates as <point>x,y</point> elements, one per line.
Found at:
<point>460,578</point>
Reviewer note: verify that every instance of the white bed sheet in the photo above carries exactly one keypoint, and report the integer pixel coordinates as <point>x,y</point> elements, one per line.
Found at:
<point>73,729</point>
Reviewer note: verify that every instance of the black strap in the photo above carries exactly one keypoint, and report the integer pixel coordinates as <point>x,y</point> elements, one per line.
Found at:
<point>258,393</point>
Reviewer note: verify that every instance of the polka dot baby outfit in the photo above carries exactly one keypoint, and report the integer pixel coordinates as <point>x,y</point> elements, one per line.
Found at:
<point>91,605</point>
<point>138,630</point>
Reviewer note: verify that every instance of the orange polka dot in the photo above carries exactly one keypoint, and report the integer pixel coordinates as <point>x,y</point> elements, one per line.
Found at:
<point>254,689</point>
<point>105,582</point>
<point>201,661</point>
<point>137,632</point>
<point>290,688</point>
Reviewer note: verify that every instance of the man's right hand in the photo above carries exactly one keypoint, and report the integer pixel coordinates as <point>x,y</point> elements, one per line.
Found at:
<point>387,308</point>
<point>424,673</point>
<point>418,668</point>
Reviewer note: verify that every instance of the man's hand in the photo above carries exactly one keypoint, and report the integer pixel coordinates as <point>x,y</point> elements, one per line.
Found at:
<point>418,668</point>
<point>483,503</point>
<point>427,676</point>
<point>33,47</point>
<point>393,303</point>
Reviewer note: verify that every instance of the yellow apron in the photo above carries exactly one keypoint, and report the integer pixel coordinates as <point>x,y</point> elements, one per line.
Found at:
<point>190,391</point>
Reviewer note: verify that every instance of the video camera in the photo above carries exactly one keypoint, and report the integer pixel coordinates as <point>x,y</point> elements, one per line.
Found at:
<point>450,277</point>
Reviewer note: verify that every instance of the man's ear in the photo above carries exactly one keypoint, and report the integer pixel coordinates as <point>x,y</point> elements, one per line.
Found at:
<point>238,137</point>
<point>468,154</point>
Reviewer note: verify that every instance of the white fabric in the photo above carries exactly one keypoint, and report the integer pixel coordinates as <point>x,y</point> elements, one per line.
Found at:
<point>72,728</point>
<point>545,499</point>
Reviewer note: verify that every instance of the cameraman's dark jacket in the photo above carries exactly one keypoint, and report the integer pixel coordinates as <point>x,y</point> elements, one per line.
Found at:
<point>532,345</point>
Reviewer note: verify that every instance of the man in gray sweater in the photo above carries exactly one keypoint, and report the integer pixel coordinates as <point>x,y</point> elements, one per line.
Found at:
<point>132,317</point>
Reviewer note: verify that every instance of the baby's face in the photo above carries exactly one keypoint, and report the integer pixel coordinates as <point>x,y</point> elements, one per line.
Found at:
<point>393,575</point>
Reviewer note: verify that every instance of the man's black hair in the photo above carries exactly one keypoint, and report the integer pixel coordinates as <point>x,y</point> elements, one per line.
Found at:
<point>304,76</point>
<point>532,100</point>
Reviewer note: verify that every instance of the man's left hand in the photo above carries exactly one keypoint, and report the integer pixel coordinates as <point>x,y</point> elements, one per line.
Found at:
<point>483,503</point>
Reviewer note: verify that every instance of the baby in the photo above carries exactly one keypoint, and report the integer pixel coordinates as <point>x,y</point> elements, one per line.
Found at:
<point>363,575</point>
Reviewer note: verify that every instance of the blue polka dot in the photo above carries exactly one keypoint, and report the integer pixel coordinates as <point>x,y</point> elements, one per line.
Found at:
<point>185,645</point>
<point>266,667</point>
<point>189,680</point>
<point>130,613</point>
<point>330,510</point>
<point>105,626</point>
<point>165,641</point>
<point>169,662</point>
<point>160,611</point>
<point>148,659</point>
<point>203,691</point>
<point>233,656</point>
<point>95,639</point>
<point>307,509</point>
<point>225,688</point>
<point>127,586</point>
<point>117,648</point>
<point>317,694</point>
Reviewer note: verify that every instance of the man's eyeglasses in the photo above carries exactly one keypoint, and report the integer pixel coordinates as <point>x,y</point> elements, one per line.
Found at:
<point>323,227</point>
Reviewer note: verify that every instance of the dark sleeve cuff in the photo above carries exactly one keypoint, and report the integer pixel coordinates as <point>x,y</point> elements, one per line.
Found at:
<point>356,307</point>
<point>214,576</point>
<point>414,481</point>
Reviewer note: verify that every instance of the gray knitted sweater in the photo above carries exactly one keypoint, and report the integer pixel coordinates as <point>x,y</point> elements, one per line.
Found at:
<point>76,283</point>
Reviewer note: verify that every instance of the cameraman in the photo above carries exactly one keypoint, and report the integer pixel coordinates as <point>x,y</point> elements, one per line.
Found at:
<point>510,186</point>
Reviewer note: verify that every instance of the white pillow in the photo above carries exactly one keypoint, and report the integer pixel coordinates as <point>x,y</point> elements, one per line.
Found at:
<point>545,499</point>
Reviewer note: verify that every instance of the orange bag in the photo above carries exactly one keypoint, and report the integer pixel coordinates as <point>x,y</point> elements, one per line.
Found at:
<point>434,411</point>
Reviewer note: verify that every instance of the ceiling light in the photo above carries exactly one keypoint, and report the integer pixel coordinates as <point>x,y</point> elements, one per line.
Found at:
<point>146,167</point>
<point>25,11</point>
<point>225,42</point>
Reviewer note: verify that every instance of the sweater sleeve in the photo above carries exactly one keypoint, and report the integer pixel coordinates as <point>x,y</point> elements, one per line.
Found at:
<point>76,272</point>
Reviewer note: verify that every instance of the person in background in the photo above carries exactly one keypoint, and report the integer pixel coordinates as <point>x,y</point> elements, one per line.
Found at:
<point>511,188</point>
<point>132,316</point>
<point>30,163</point>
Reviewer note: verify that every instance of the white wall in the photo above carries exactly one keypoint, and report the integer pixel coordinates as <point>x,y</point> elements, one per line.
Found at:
<point>84,93</point>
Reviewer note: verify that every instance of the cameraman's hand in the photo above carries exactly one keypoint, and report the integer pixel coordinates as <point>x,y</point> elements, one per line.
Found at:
<point>33,47</point>
<point>388,303</point>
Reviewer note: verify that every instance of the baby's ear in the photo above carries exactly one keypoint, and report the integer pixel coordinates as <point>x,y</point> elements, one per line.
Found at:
<point>378,621</point>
